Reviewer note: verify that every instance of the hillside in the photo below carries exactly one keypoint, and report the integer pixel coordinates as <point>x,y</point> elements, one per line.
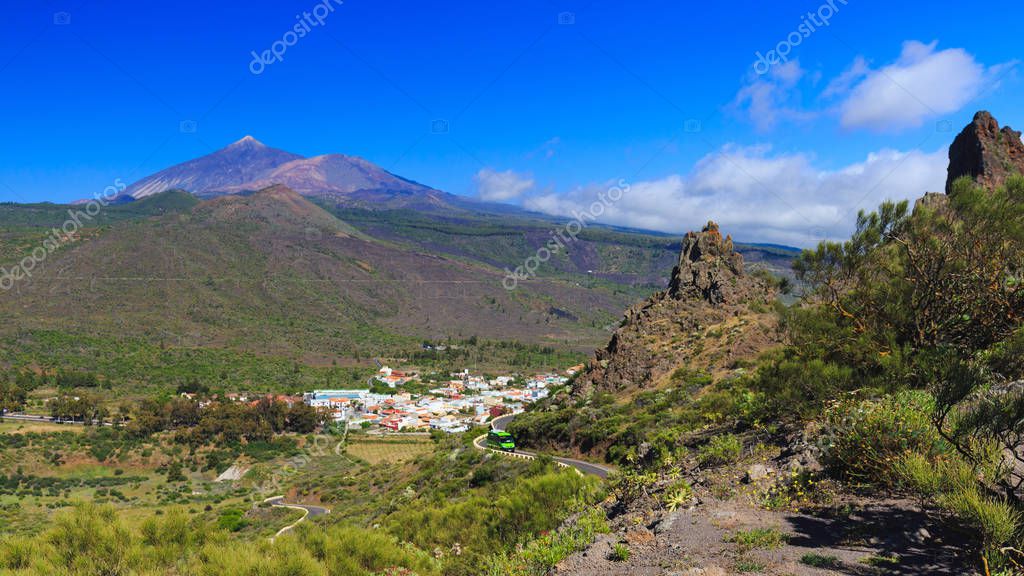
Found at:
<point>872,428</point>
<point>273,273</point>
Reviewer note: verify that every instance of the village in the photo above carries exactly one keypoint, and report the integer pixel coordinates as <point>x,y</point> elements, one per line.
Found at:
<point>463,401</point>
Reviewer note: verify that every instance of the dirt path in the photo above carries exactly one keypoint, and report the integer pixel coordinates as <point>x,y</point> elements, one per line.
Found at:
<point>877,537</point>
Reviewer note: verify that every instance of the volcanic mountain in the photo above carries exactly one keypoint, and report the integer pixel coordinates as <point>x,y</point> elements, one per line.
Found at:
<point>272,272</point>
<point>248,165</point>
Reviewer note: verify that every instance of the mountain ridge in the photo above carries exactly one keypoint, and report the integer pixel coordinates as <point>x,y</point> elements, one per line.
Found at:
<point>248,165</point>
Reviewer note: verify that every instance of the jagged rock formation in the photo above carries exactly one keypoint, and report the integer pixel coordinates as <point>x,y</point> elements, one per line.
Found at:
<point>985,152</point>
<point>707,268</point>
<point>704,321</point>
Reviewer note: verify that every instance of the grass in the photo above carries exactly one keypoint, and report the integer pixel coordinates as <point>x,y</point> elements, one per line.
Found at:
<point>820,561</point>
<point>541,555</point>
<point>620,553</point>
<point>880,561</point>
<point>20,427</point>
<point>375,452</point>
<point>759,538</point>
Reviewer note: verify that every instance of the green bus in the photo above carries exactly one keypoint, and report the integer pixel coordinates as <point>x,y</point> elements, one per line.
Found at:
<point>501,440</point>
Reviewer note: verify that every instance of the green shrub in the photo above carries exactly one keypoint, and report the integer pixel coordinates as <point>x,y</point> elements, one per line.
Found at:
<point>678,495</point>
<point>17,553</point>
<point>541,555</point>
<point>863,440</point>
<point>620,553</point>
<point>759,538</point>
<point>997,520</point>
<point>821,561</point>
<point>232,520</point>
<point>720,450</point>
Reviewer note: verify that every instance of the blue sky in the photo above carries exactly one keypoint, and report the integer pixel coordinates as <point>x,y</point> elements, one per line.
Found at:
<point>547,102</point>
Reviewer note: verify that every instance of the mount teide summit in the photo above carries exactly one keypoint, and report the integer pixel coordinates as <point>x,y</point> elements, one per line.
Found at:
<point>248,165</point>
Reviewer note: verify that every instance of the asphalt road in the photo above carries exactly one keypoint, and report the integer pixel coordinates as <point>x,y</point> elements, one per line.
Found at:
<point>19,417</point>
<point>26,418</point>
<point>311,511</point>
<point>601,471</point>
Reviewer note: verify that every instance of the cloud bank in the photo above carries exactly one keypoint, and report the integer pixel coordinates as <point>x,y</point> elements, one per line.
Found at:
<point>923,83</point>
<point>759,196</point>
<point>496,186</point>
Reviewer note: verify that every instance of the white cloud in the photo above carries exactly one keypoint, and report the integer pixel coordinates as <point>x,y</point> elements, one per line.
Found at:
<point>769,98</point>
<point>547,150</point>
<point>923,83</point>
<point>841,84</point>
<point>501,186</point>
<point>757,196</point>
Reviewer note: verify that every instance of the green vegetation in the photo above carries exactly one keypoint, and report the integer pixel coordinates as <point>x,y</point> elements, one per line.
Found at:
<point>901,366</point>
<point>720,450</point>
<point>541,555</point>
<point>94,540</point>
<point>825,562</point>
<point>759,538</point>
<point>620,552</point>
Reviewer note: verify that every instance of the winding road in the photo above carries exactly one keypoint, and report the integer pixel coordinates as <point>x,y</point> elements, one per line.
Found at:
<point>310,511</point>
<point>501,422</point>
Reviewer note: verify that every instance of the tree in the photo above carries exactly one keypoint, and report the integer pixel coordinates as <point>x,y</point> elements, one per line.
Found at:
<point>937,297</point>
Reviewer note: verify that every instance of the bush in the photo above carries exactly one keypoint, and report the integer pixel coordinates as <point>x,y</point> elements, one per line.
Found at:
<point>997,520</point>
<point>759,538</point>
<point>619,553</point>
<point>232,520</point>
<point>864,440</point>
<point>678,495</point>
<point>820,561</point>
<point>720,450</point>
<point>542,554</point>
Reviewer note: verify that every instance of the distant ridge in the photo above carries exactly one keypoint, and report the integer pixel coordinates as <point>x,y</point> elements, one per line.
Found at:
<point>248,165</point>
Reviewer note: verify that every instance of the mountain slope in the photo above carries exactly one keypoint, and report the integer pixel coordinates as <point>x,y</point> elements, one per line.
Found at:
<point>243,161</point>
<point>331,175</point>
<point>272,272</point>
<point>249,165</point>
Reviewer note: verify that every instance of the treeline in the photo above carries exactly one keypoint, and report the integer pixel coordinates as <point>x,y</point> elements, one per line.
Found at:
<point>222,420</point>
<point>457,354</point>
<point>15,387</point>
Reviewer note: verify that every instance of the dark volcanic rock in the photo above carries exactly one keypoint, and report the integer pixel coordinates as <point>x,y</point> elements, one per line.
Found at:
<point>704,321</point>
<point>707,268</point>
<point>985,152</point>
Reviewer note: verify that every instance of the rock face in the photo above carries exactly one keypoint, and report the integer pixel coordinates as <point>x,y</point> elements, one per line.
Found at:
<point>704,321</point>
<point>708,268</point>
<point>985,152</point>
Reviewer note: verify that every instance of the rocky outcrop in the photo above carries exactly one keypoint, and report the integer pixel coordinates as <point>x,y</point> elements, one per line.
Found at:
<point>986,153</point>
<point>703,321</point>
<point>708,268</point>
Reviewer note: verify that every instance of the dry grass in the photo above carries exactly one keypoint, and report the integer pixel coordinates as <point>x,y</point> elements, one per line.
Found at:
<point>22,427</point>
<point>375,451</point>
